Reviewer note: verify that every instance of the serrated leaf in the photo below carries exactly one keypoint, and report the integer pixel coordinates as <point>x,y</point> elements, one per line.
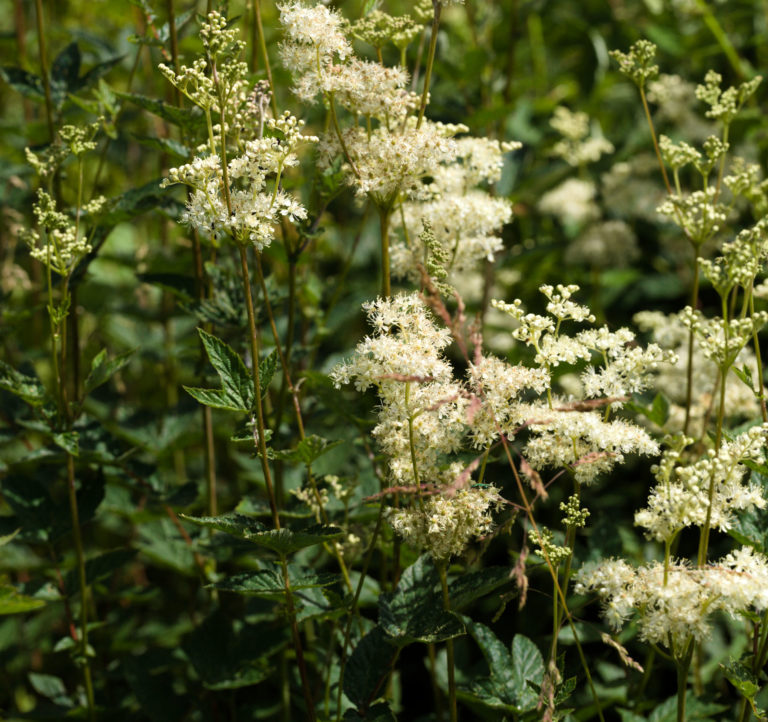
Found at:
<point>307,450</point>
<point>368,668</point>
<point>215,398</point>
<point>98,568</point>
<point>28,84</point>
<point>102,369</point>
<point>511,672</point>
<point>378,713</point>
<point>527,666</point>
<point>181,286</point>
<point>65,72</point>
<point>12,602</point>
<point>475,585</point>
<point>741,677</point>
<point>745,375</point>
<point>414,611</point>
<point>230,658</point>
<point>165,145</point>
<point>283,541</point>
<point>267,368</point>
<point>187,119</point>
<point>67,440</point>
<point>236,379</point>
<point>269,582</point>
<point>26,387</point>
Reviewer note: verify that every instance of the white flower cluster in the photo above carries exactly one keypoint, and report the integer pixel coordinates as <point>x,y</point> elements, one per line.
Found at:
<point>676,604</point>
<point>383,163</point>
<point>573,201</point>
<point>671,379</point>
<point>446,524</point>
<point>422,419</point>
<point>57,243</point>
<point>585,441</point>
<point>245,207</point>
<point>577,147</point>
<point>607,244</point>
<point>681,496</point>
<point>464,218</point>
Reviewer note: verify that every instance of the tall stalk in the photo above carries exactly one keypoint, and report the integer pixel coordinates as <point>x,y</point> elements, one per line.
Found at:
<point>438,8</point>
<point>452,707</point>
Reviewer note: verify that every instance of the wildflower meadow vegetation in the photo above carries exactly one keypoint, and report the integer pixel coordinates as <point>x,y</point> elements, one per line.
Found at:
<point>383,360</point>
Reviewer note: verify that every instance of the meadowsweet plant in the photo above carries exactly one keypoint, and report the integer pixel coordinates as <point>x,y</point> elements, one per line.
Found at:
<point>369,361</point>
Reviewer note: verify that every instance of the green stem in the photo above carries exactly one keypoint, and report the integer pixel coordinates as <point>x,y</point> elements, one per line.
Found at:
<point>260,428</point>
<point>437,5</point>
<point>655,141</point>
<point>441,569</point>
<point>683,665</point>
<point>385,214</point>
<point>75,516</point>
<point>264,54</point>
<point>355,600</point>
<point>44,68</point>
<point>689,368</point>
<point>297,643</point>
<point>758,356</point>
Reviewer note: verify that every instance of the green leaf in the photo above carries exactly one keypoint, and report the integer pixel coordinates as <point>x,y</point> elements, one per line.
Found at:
<point>745,374</point>
<point>67,440</point>
<point>659,411</point>
<point>26,387</point>
<point>269,583</point>
<point>136,201</point>
<point>414,611</point>
<point>378,713</point>
<point>283,541</point>
<point>51,687</point>
<point>11,602</point>
<point>187,119</point>
<point>65,72</point>
<point>8,537</point>
<point>475,585</point>
<point>181,286</point>
<point>308,450</point>
<point>511,673</point>
<point>98,568</point>
<point>267,368</point>
<point>153,691</point>
<point>228,659</point>
<point>102,369</point>
<point>236,379</point>
<point>165,145</point>
<point>741,677</point>
<point>696,710</point>
<point>28,84</point>
<point>527,666</point>
<point>368,668</point>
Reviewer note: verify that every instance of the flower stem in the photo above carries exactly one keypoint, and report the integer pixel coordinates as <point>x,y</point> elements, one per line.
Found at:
<point>441,569</point>
<point>385,213</point>
<point>260,428</point>
<point>689,368</point>
<point>437,5</point>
